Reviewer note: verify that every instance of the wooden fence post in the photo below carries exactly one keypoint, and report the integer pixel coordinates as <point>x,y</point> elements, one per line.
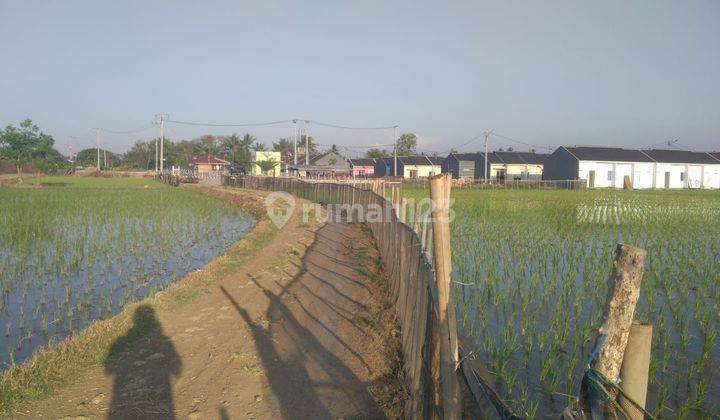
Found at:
<point>635,368</point>
<point>623,295</point>
<point>440,196</point>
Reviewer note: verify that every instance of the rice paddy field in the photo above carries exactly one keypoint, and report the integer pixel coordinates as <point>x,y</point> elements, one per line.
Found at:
<point>531,269</point>
<point>79,249</point>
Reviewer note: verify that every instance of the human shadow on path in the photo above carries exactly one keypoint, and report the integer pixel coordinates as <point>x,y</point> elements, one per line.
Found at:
<point>300,352</point>
<point>142,389</point>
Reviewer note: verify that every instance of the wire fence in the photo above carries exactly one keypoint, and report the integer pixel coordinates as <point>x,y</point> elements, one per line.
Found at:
<point>407,259</point>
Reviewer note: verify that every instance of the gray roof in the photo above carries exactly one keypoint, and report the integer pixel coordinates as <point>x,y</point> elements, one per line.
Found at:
<point>362,162</point>
<point>716,155</point>
<point>420,160</point>
<point>464,156</point>
<point>608,154</point>
<point>520,158</point>
<point>680,156</point>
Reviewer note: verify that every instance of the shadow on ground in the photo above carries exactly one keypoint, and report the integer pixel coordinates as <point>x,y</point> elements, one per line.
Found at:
<point>142,374</point>
<point>310,346</point>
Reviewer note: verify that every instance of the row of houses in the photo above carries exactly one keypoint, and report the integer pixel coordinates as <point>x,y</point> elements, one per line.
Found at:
<point>607,167</point>
<point>600,167</point>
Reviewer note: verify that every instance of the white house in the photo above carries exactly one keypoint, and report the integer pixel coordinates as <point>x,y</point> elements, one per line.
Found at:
<point>685,169</point>
<point>607,167</point>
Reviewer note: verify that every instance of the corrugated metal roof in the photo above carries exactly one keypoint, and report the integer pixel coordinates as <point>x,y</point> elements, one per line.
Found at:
<point>362,162</point>
<point>421,160</point>
<point>716,155</point>
<point>680,156</point>
<point>612,154</point>
<point>533,158</point>
<point>209,160</point>
<point>465,156</point>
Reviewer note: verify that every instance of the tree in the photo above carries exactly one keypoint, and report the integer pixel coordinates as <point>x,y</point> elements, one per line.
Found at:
<point>88,157</point>
<point>267,165</point>
<point>258,147</point>
<point>26,144</point>
<point>335,149</point>
<point>140,156</point>
<point>454,151</point>
<point>285,146</point>
<point>376,153</point>
<point>311,144</point>
<point>208,145</point>
<point>406,144</point>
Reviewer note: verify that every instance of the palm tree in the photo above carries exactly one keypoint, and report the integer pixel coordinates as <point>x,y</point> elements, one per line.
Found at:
<point>232,144</point>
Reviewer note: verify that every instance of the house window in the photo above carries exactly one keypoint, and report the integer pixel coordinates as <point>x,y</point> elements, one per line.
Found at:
<point>682,176</point>
<point>609,175</point>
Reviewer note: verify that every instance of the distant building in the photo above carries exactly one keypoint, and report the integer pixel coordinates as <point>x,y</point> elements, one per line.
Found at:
<point>262,162</point>
<point>607,167</point>
<point>461,165</point>
<point>416,166</point>
<point>500,165</point>
<point>208,164</point>
<point>684,169</point>
<point>327,164</point>
<point>383,166</point>
<point>362,168</point>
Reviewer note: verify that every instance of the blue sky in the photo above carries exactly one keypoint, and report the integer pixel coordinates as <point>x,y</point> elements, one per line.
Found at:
<point>546,73</point>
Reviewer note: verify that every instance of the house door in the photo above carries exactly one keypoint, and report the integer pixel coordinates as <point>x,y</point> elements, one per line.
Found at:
<point>591,179</point>
<point>501,173</point>
<point>667,180</point>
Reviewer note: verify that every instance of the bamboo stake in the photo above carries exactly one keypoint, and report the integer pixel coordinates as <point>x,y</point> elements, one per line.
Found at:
<point>440,196</point>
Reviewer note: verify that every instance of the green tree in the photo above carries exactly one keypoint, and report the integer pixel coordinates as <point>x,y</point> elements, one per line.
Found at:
<point>376,153</point>
<point>407,144</point>
<point>25,145</point>
<point>88,157</point>
<point>140,156</point>
<point>267,165</point>
<point>259,147</point>
<point>285,146</point>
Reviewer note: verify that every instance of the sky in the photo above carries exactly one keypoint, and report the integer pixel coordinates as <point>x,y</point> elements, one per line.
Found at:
<point>540,74</point>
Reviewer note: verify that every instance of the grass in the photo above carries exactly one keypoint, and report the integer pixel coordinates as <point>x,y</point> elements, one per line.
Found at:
<point>531,270</point>
<point>53,367</point>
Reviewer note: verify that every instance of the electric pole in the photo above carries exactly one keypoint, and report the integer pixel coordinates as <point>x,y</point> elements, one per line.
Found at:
<point>395,142</point>
<point>97,141</point>
<point>156,155</point>
<point>295,142</point>
<point>162,142</point>
<point>487,136</point>
<point>307,142</point>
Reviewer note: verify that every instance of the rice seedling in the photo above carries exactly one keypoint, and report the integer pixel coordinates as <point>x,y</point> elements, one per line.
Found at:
<point>72,255</point>
<point>531,270</point>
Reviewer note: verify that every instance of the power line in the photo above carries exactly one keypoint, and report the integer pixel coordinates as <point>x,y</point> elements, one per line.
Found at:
<point>520,142</point>
<point>231,125</point>
<point>137,130</point>
<point>344,127</point>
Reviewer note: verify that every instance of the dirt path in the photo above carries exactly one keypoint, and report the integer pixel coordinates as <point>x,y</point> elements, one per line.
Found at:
<point>298,332</point>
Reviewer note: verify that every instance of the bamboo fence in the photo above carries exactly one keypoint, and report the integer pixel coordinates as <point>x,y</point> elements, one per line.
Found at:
<point>406,256</point>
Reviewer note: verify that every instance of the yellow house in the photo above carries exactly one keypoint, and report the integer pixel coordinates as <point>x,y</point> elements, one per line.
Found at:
<point>261,158</point>
<point>514,165</point>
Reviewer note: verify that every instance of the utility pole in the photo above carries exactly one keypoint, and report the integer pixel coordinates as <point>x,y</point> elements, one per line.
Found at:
<point>307,142</point>
<point>156,154</point>
<point>105,157</point>
<point>97,141</point>
<point>295,142</point>
<point>487,136</point>
<point>395,142</point>
<point>162,142</point>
